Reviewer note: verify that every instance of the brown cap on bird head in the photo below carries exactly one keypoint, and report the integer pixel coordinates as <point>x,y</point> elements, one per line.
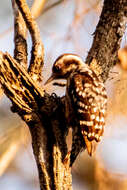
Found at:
<point>64,65</point>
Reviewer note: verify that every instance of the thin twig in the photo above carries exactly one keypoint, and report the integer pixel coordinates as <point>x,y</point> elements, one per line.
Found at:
<point>37,7</point>
<point>52,6</point>
<point>10,141</point>
<point>79,16</point>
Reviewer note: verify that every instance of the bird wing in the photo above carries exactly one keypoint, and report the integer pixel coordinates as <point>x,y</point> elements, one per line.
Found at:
<point>88,100</point>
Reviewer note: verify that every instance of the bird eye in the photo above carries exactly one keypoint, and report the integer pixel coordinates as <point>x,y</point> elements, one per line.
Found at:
<point>56,68</point>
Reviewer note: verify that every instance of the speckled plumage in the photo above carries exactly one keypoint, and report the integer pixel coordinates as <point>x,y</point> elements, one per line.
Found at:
<point>86,101</point>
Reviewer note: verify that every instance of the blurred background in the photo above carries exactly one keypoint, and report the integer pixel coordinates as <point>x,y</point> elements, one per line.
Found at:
<point>66,26</point>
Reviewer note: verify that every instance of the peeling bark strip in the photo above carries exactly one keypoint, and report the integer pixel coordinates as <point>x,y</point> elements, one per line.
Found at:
<point>21,88</point>
<point>45,114</point>
<point>108,35</point>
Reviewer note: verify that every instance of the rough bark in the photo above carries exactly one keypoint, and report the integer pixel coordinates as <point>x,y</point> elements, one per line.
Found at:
<point>37,53</point>
<point>20,51</point>
<point>108,35</point>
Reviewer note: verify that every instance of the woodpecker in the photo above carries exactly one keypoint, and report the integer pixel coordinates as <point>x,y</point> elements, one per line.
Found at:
<point>86,100</point>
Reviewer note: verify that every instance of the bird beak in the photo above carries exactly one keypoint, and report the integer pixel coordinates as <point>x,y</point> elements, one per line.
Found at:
<point>50,79</point>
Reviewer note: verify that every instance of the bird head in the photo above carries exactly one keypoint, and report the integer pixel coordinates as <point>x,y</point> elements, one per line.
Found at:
<point>64,66</point>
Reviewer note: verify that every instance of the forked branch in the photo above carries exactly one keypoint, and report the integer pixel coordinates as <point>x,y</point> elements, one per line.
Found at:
<point>45,114</point>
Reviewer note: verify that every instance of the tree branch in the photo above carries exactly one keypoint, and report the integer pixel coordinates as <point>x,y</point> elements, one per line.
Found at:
<point>108,35</point>
<point>52,6</point>
<point>37,53</point>
<point>20,52</point>
<point>45,114</point>
<point>37,7</point>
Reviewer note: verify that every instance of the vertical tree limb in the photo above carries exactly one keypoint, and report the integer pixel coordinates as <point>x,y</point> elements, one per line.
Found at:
<point>37,53</point>
<point>20,51</point>
<point>45,117</point>
<point>108,35</point>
